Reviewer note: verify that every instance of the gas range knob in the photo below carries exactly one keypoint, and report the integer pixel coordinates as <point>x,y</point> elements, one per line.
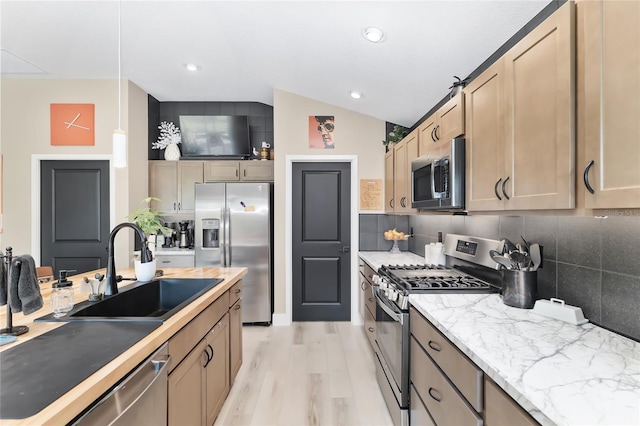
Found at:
<point>375,279</point>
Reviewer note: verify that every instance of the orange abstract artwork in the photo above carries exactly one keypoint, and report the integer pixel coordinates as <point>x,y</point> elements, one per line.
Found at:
<point>72,124</point>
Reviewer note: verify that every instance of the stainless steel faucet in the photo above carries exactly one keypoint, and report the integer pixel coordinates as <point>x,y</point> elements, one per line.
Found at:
<point>111,286</point>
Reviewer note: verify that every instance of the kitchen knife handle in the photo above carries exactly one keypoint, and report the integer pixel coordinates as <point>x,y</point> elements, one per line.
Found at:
<point>504,189</point>
<point>586,177</point>
<point>495,189</point>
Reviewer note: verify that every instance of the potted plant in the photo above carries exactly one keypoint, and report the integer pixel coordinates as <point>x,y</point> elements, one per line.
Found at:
<point>395,136</point>
<point>151,223</point>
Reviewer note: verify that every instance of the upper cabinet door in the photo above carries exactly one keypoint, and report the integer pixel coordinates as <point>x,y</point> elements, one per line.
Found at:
<point>540,101</point>
<point>450,119</point>
<point>610,125</point>
<point>189,173</point>
<point>485,136</point>
<point>427,135</point>
<point>163,185</point>
<point>388,181</point>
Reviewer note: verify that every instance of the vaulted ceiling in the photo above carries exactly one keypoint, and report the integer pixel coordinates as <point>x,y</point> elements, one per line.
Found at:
<point>246,49</point>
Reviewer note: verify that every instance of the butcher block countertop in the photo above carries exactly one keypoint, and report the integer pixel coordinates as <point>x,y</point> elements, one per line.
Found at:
<point>72,403</point>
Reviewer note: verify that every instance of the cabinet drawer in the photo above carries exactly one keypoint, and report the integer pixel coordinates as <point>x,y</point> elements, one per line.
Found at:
<point>370,328</point>
<point>185,339</point>
<point>175,261</point>
<point>419,416</point>
<point>370,300</point>
<point>459,369</point>
<point>235,293</point>
<point>442,400</point>
<point>501,409</point>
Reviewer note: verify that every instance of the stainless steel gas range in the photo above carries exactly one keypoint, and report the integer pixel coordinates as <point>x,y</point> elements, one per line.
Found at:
<point>469,269</point>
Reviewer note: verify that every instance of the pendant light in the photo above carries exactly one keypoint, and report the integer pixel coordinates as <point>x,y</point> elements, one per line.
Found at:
<point>119,135</point>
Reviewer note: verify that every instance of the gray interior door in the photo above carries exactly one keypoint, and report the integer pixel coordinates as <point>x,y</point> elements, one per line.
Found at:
<point>321,241</point>
<point>74,218</point>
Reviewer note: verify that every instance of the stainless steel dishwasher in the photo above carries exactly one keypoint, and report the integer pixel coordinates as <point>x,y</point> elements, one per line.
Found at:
<point>140,399</point>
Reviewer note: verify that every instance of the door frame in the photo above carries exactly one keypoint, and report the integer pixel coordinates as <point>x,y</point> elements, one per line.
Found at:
<point>36,159</point>
<point>286,318</point>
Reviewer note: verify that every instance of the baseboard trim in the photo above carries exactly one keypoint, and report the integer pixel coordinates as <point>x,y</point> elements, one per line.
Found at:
<point>281,320</point>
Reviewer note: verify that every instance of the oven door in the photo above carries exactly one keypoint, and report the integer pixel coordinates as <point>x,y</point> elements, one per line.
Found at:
<point>392,338</point>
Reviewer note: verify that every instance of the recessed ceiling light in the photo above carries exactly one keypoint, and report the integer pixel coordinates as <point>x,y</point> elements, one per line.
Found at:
<point>356,95</point>
<point>373,34</point>
<point>192,67</point>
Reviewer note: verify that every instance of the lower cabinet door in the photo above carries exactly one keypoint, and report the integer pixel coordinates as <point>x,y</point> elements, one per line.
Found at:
<point>186,388</point>
<point>418,414</point>
<point>501,410</point>
<point>235,339</point>
<point>217,369</point>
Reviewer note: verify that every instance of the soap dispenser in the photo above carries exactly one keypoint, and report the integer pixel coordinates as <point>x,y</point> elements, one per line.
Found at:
<point>62,300</point>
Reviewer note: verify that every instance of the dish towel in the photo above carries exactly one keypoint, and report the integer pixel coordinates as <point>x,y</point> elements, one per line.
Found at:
<point>3,283</point>
<point>24,290</point>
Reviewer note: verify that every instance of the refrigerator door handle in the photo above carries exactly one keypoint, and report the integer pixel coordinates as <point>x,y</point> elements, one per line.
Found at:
<point>223,238</point>
<point>227,224</point>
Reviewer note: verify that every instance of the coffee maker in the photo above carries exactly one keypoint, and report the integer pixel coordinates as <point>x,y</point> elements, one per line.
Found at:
<point>186,234</point>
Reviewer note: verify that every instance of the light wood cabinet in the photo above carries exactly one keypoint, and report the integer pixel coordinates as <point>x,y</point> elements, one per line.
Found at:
<point>241,171</point>
<point>540,101</point>
<point>205,359</point>
<point>389,196</point>
<point>235,339</point>
<point>485,139</point>
<point>609,130</point>
<point>522,111</point>
<point>404,152</point>
<point>501,409</point>
<point>446,124</point>
<point>368,306</point>
<point>216,370</point>
<point>173,182</point>
<point>186,386</point>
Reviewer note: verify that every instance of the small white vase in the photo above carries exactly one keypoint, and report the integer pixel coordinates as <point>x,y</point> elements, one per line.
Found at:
<point>172,152</point>
<point>145,271</point>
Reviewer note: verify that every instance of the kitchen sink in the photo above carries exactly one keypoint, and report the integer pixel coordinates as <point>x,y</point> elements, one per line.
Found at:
<point>155,300</point>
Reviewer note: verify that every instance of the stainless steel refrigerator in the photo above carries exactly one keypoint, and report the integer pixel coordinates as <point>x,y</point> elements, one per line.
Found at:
<point>233,228</point>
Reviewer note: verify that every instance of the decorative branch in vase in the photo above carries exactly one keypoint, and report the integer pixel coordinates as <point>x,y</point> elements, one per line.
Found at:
<point>168,140</point>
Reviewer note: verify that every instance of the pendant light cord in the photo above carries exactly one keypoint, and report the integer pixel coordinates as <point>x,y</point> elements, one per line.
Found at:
<point>119,62</point>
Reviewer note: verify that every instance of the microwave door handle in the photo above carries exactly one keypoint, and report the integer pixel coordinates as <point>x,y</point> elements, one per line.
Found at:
<point>433,178</point>
<point>387,309</point>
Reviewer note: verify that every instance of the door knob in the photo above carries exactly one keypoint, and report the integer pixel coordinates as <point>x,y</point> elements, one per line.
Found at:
<point>344,249</point>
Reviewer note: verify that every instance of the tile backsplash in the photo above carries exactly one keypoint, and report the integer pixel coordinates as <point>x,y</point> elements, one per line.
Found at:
<point>589,262</point>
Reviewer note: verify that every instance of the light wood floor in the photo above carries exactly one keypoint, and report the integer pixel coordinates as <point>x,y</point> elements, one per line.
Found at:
<point>311,373</point>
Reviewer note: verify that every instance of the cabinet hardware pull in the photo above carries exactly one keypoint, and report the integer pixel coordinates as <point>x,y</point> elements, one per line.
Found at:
<point>431,392</point>
<point>433,345</point>
<point>179,206</point>
<point>362,286</point>
<point>371,329</point>
<point>504,189</point>
<point>436,132</point>
<point>209,357</point>
<point>433,138</point>
<point>586,177</point>
<point>237,307</point>
<point>236,172</point>
<point>370,299</point>
<point>391,203</point>
<point>495,189</point>
<point>174,206</point>
<point>244,173</point>
<point>402,202</point>
<point>166,261</point>
<point>238,291</point>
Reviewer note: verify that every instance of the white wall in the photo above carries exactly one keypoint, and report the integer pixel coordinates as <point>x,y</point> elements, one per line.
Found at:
<point>25,133</point>
<point>355,134</point>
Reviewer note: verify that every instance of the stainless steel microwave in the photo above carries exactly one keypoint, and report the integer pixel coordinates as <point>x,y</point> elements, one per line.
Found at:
<point>437,182</point>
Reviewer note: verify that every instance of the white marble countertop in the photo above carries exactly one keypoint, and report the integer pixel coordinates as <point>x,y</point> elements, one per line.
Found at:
<point>376,259</point>
<point>561,373</point>
<point>174,251</point>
